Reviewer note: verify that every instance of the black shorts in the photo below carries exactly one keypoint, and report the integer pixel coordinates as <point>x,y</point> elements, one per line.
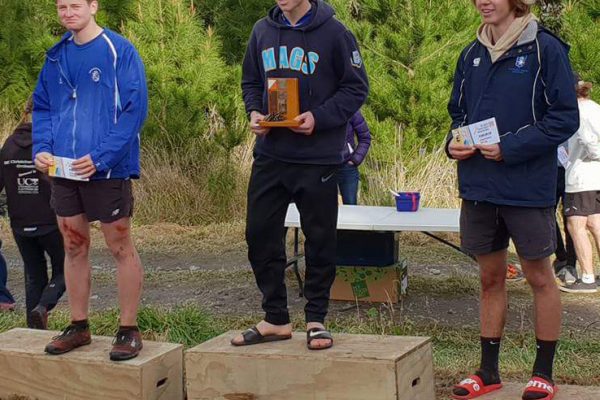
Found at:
<point>102,200</point>
<point>486,228</point>
<point>582,204</point>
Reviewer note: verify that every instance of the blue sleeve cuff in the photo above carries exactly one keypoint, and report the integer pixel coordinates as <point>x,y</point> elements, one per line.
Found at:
<point>41,149</point>
<point>98,162</point>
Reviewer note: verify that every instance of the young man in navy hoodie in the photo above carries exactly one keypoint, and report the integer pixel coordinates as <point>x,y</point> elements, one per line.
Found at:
<point>89,105</point>
<point>298,39</point>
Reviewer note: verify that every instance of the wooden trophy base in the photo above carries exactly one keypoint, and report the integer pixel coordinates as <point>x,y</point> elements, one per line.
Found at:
<point>279,124</point>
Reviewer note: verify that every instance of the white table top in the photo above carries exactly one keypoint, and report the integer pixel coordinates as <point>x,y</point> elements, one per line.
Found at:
<point>375,218</point>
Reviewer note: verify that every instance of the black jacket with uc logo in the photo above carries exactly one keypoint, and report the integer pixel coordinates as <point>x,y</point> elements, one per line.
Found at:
<point>27,189</point>
<point>531,93</point>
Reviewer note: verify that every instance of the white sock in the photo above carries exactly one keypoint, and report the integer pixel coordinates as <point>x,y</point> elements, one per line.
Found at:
<point>588,278</point>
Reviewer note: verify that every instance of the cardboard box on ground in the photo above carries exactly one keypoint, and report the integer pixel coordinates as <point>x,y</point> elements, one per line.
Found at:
<point>371,284</point>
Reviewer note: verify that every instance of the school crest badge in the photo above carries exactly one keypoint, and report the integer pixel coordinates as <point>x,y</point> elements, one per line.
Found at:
<point>521,61</point>
<point>95,74</point>
<point>356,59</point>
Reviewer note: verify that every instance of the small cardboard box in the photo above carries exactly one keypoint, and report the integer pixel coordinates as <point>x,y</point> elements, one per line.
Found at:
<point>284,103</point>
<point>371,284</point>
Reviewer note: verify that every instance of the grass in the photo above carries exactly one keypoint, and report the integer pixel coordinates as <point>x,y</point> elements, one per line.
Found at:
<point>455,349</point>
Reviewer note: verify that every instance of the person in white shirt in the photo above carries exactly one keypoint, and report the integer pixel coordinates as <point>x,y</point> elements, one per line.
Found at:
<point>582,200</point>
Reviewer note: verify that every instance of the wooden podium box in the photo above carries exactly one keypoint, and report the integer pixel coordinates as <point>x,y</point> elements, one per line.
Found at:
<point>358,367</point>
<point>87,373</point>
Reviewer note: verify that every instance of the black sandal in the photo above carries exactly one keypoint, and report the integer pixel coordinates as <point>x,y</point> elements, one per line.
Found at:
<point>318,333</point>
<point>253,336</point>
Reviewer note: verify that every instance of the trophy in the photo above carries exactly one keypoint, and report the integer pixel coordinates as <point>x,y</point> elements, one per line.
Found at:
<point>284,103</point>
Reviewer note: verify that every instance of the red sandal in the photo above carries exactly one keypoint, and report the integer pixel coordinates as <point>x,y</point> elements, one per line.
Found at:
<point>541,385</point>
<point>474,385</point>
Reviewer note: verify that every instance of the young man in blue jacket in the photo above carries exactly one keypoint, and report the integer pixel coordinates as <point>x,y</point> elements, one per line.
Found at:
<point>519,73</point>
<point>298,39</point>
<point>89,105</point>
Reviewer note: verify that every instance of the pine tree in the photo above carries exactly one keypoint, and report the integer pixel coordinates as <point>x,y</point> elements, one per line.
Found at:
<point>581,30</point>
<point>192,92</point>
<point>551,14</point>
<point>26,32</point>
<point>232,21</point>
<point>114,13</point>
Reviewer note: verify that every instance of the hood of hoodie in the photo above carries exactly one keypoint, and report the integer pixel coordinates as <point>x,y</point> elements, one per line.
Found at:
<point>22,135</point>
<point>542,28</point>
<point>322,12</point>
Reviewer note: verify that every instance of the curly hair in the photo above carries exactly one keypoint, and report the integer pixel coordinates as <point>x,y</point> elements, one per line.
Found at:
<point>583,89</point>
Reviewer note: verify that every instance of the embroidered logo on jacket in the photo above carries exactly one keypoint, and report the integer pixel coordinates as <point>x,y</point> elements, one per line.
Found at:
<point>356,59</point>
<point>95,74</point>
<point>476,61</point>
<point>520,64</point>
<point>521,61</point>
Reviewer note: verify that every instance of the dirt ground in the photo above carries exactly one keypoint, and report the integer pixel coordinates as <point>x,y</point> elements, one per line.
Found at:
<point>208,267</point>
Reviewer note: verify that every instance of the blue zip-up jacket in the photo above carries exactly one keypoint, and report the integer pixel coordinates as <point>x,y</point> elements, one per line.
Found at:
<point>531,93</point>
<point>333,85</point>
<point>100,112</point>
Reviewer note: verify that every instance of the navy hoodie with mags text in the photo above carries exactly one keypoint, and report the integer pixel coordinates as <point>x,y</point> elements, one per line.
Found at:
<point>333,85</point>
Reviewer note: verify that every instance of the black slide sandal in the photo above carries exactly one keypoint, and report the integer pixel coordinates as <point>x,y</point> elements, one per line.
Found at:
<point>318,333</point>
<point>253,336</point>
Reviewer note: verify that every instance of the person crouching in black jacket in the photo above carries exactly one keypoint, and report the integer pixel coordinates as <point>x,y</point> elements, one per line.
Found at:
<point>33,223</point>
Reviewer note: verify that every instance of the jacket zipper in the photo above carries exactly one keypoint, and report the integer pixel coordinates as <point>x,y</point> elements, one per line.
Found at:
<point>74,97</point>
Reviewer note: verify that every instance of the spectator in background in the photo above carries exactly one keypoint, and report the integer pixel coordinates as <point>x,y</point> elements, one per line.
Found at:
<point>565,263</point>
<point>7,302</point>
<point>33,223</point>
<point>348,176</point>
<point>582,201</point>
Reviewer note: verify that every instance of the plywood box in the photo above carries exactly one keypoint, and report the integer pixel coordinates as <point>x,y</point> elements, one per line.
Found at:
<point>358,367</point>
<point>87,373</point>
<point>512,391</point>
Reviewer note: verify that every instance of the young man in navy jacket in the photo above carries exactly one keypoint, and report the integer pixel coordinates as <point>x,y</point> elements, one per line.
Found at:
<point>89,105</point>
<point>298,39</point>
<point>519,73</point>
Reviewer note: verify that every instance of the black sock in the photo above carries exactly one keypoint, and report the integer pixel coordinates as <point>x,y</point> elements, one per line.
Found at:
<point>81,323</point>
<point>488,371</point>
<point>544,359</point>
<point>490,351</point>
<point>128,328</point>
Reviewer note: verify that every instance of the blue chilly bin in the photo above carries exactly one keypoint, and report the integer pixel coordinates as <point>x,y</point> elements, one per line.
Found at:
<point>408,201</point>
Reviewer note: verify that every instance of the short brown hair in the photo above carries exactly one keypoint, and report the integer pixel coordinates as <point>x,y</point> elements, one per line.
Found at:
<point>583,89</point>
<point>27,110</point>
<point>89,1</point>
<point>521,7</point>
